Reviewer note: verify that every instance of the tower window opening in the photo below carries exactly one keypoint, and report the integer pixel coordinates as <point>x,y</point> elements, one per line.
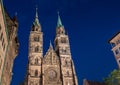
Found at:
<point>119,61</point>
<point>36,29</point>
<point>36,61</point>
<point>36,72</point>
<point>56,42</point>
<point>36,39</point>
<point>118,41</point>
<point>119,48</point>
<point>63,40</point>
<point>33,29</point>
<point>66,63</point>
<point>67,73</point>
<point>116,51</point>
<point>37,49</point>
<point>65,51</point>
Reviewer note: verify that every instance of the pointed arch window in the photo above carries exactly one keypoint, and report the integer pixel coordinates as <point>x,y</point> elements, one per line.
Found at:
<point>63,40</point>
<point>66,63</point>
<point>36,61</point>
<point>37,49</point>
<point>56,42</point>
<point>36,72</point>
<point>36,38</point>
<point>67,72</point>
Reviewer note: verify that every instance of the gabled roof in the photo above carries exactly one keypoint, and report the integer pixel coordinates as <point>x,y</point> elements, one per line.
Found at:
<point>50,56</point>
<point>112,39</point>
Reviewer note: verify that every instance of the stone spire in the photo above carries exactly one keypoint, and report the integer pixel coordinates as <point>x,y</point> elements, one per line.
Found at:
<point>36,22</point>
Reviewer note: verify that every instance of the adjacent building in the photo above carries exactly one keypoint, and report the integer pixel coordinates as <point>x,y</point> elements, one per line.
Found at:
<point>87,82</point>
<point>8,45</point>
<point>3,38</point>
<point>56,66</point>
<point>115,43</point>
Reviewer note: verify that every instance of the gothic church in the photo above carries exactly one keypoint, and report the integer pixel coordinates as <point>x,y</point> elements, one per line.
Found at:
<point>56,66</point>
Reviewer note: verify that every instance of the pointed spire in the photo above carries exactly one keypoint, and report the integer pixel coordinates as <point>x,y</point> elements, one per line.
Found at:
<point>59,23</point>
<point>51,44</point>
<point>36,12</point>
<point>36,22</point>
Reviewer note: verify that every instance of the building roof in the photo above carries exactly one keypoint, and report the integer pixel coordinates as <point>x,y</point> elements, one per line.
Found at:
<point>36,22</point>
<point>95,83</point>
<point>88,82</point>
<point>111,40</point>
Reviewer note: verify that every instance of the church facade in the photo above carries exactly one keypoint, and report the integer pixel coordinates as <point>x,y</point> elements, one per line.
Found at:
<point>56,66</point>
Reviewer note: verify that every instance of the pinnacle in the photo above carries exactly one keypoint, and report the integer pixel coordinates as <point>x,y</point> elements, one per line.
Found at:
<point>51,44</point>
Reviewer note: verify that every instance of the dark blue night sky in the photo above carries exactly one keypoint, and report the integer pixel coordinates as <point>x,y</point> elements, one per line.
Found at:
<point>89,23</point>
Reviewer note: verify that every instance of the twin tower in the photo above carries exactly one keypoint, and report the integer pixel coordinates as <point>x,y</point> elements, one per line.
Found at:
<point>56,66</point>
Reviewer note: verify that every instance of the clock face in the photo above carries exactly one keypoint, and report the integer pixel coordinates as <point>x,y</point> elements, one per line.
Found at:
<point>52,74</point>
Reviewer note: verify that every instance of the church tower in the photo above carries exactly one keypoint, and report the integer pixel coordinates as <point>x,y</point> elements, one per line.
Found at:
<point>35,54</point>
<point>56,67</point>
<point>62,48</point>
